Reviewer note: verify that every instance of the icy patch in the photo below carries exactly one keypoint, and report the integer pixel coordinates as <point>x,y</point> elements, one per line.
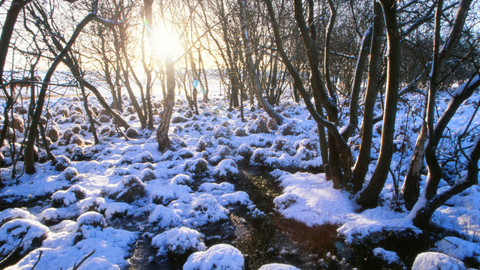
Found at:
<point>221,257</point>
<point>178,241</point>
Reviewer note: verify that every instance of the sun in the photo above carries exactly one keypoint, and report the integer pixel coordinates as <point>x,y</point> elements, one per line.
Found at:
<point>164,40</point>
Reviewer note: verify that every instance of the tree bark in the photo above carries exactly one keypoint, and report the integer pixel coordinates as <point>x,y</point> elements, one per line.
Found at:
<point>364,156</point>
<point>162,131</point>
<point>368,197</point>
<point>411,185</point>
<point>253,76</point>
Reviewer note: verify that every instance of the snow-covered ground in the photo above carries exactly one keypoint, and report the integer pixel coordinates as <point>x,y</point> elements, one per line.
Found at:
<point>182,190</point>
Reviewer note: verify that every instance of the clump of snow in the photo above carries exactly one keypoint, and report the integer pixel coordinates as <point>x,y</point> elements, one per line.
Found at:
<point>458,248</point>
<point>12,232</point>
<point>117,209</point>
<point>96,204</point>
<point>436,261</point>
<point>69,174</point>
<point>181,179</point>
<point>93,219</point>
<point>221,257</point>
<point>217,189</point>
<point>68,197</point>
<point>388,256</point>
<point>206,209</point>
<point>62,163</point>
<point>196,166</point>
<point>14,213</point>
<point>129,189</point>
<point>312,199</point>
<point>164,217</point>
<point>227,168</point>
<point>178,241</point>
<point>278,266</point>
<point>239,197</point>
<point>52,215</point>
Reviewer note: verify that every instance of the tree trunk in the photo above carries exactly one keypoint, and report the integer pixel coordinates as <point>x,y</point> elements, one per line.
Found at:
<point>411,185</point>
<point>368,197</point>
<point>162,131</point>
<point>364,155</point>
<point>253,76</point>
<point>422,214</point>
<point>351,125</point>
<point>29,161</point>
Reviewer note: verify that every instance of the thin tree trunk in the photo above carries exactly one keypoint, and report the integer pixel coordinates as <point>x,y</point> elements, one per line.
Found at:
<point>253,76</point>
<point>411,185</point>
<point>162,131</point>
<point>368,197</point>
<point>364,155</point>
<point>29,161</point>
<point>351,125</point>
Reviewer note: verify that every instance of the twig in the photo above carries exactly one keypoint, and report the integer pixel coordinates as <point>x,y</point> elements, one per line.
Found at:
<point>75,266</point>
<point>39,257</point>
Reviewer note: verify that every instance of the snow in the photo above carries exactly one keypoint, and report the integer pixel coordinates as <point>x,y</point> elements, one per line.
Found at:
<point>221,257</point>
<point>277,266</point>
<point>458,248</point>
<point>178,240</point>
<point>177,194</point>
<point>436,261</point>
<point>388,256</point>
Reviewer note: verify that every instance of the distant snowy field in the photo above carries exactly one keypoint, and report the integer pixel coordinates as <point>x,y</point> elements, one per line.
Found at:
<point>75,217</point>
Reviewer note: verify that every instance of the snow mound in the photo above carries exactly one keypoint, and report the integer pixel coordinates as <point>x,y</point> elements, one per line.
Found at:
<point>206,209</point>
<point>388,256</point>
<point>129,189</point>
<point>226,168</point>
<point>278,266</point>
<point>117,209</point>
<point>436,261</point>
<point>56,214</point>
<point>14,213</point>
<point>178,241</point>
<point>12,232</point>
<point>217,189</point>
<point>164,217</point>
<point>93,219</point>
<point>458,248</point>
<point>220,257</point>
<point>239,197</point>
<point>68,197</point>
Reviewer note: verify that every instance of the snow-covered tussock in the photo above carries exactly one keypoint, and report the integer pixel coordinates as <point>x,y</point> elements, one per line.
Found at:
<point>12,232</point>
<point>178,241</point>
<point>129,189</point>
<point>219,256</point>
